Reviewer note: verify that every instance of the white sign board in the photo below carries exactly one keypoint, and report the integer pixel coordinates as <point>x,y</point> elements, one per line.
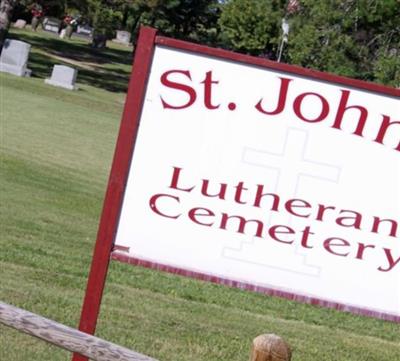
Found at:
<point>267,178</point>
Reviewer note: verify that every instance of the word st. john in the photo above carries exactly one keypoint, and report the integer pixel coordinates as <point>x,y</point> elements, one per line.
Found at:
<point>342,111</point>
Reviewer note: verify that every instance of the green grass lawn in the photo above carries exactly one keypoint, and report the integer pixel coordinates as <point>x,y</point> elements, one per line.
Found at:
<point>56,149</point>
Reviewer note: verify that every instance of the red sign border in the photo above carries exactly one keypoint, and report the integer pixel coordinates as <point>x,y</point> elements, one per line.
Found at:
<point>103,250</point>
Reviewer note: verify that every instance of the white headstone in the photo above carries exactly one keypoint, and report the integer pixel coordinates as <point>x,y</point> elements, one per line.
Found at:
<point>84,30</point>
<point>20,24</point>
<point>14,57</point>
<point>63,76</point>
<point>51,24</point>
<point>123,37</point>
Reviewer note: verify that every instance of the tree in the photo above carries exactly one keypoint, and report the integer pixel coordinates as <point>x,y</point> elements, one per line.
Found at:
<point>356,38</point>
<point>194,20</point>
<point>251,26</point>
<point>6,9</point>
<point>105,16</point>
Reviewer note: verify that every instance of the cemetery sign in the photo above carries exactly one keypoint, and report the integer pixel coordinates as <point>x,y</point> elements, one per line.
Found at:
<point>259,175</point>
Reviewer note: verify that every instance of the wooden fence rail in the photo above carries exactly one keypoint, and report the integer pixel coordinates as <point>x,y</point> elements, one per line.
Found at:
<point>267,347</point>
<point>66,337</point>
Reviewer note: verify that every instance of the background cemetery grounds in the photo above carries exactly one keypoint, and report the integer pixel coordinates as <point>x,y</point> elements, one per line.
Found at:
<point>56,150</point>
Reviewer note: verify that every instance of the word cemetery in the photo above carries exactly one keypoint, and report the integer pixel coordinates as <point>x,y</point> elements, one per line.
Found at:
<point>168,205</point>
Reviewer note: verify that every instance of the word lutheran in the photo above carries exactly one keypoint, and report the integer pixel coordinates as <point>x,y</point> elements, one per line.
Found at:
<point>343,111</point>
<point>169,205</point>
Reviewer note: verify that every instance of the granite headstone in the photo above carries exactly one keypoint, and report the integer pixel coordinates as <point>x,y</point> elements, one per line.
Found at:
<point>51,24</point>
<point>123,37</point>
<point>63,76</point>
<point>20,24</point>
<point>84,31</point>
<point>14,57</point>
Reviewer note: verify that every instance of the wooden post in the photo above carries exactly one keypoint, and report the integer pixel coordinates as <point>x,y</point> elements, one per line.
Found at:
<point>65,337</point>
<point>270,347</point>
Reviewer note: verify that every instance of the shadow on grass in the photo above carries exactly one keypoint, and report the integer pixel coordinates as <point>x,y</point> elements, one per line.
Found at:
<point>116,81</point>
<point>111,67</point>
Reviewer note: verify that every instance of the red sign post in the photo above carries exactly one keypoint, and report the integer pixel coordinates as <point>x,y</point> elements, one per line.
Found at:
<point>116,184</point>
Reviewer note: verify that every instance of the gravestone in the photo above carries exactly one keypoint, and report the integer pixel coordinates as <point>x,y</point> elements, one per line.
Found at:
<point>14,58</point>
<point>84,31</point>
<point>51,24</point>
<point>123,37</point>
<point>20,24</point>
<point>63,76</point>
<point>62,33</point>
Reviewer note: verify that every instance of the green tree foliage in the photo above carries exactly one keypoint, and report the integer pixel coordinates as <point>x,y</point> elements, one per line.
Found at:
<point>356,38</point>
<point>251,26</point>
<point>194,20</point>
<point>105,16</point>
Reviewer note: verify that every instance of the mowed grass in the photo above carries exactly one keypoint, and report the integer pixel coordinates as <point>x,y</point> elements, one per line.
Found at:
<point>56,150</point>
